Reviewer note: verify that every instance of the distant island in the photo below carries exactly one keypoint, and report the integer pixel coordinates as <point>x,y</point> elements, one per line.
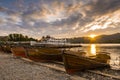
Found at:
<point>113,38</point>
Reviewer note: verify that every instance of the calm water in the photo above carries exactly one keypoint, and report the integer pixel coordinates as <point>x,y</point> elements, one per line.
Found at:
<point>113,49</point>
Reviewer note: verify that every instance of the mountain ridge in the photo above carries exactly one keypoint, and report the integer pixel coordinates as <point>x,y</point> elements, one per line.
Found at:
<point>113,38</point>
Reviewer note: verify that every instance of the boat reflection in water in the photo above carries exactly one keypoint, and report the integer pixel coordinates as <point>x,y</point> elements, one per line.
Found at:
<point>93,49</point>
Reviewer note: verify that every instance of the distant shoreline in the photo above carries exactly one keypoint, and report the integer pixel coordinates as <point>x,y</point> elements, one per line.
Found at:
<point>94,43</point>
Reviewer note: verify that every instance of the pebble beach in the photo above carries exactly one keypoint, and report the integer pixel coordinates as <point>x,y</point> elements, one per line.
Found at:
<point>12,68</point>
<point>17,69</point>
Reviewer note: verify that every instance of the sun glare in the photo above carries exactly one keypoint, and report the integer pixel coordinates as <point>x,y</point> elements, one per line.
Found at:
<point>92,35</point>
<point>93,49</point>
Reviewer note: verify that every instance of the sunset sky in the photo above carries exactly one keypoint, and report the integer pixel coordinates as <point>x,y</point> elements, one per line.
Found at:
<point>59,18</point>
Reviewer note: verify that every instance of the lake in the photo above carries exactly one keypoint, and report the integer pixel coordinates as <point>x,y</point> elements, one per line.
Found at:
<point>113,49</point>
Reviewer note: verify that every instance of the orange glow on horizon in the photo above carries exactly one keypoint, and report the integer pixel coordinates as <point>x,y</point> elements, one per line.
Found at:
<point>92,35</point>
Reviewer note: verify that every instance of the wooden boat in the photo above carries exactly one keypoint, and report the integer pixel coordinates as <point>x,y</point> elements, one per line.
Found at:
<point>76,62</point>
<point>19,51</point>
<point>6,48</point>
<point>103,57</point>
<point>1,49</point>
<point>44,54</point>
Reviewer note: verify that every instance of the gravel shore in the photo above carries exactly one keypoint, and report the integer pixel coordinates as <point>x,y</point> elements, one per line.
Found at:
<point>17,69</point>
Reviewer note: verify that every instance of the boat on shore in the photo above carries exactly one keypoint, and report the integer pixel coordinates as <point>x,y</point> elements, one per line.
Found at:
<point>38,53</point>
<point>5,48</point>
<point>103,57</point>
<point>19,51</point>
<point>1,49</point>
<point>77,62</point>
<point>44,54</point>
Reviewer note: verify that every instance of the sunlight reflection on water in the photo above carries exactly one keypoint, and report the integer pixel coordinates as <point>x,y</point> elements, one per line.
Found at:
<point>93,49</point>
<point>113,49</point>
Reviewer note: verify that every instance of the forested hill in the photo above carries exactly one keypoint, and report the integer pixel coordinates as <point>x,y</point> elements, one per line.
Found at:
<point>113,38</point>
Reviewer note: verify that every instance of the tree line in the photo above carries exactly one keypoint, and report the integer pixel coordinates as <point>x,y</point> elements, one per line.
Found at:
<point>19,37</point>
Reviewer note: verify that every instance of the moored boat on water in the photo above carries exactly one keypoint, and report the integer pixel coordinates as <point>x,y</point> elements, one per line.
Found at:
<point>75,62</point>
<point>52,42</point>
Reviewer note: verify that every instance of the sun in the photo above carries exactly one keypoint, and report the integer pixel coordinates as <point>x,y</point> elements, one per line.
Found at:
<point>92,35</point>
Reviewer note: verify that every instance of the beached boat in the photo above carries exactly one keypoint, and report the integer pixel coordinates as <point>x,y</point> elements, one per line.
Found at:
<point>1,49</point>
<point>19,51</point>
<point>103,57</point>
<point>44,54</point>
<point>5,48</point>
<point>76,62</point>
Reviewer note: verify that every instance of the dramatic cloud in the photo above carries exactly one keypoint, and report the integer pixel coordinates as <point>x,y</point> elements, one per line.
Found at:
<point>2,9</point>
<point>60,18</point>
<point>105,7</point>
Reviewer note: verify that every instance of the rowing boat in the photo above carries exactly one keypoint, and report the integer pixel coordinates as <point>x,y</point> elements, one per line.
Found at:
<point>1,49</point>
<point>6,48</point>
<point>103,57</point>
<point>76,62</point>
<point>19,51</point>
<point>44,54</point>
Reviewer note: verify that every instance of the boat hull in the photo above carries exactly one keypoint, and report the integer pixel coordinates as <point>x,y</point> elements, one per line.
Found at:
<point>44,54</point>
<point>6,48</point>
<point>75,63</point>
<point>1,49</point>
<point>19,51</point>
